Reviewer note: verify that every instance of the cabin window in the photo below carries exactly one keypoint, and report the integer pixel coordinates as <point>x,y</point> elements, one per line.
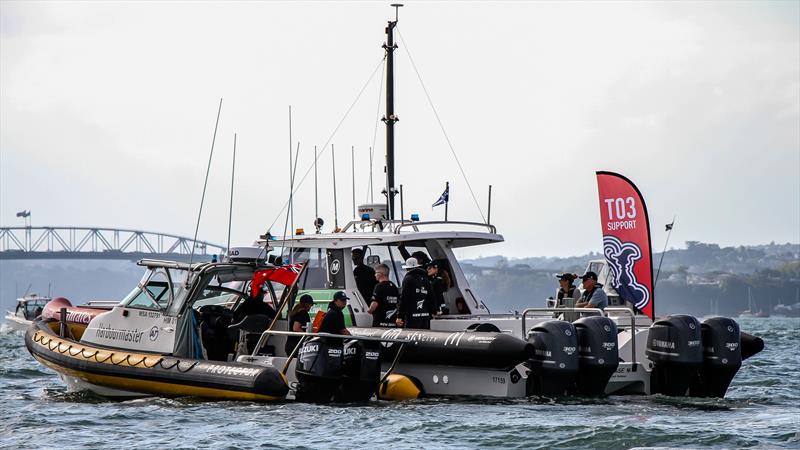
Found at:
<point>152,296</point>
<point>153,293</point>
<point>325,268</point>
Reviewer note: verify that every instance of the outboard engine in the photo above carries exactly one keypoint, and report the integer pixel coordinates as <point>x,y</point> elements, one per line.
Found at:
<point>319,370</point>
<point>598,354</point>
<point>555,360</point>
<point>674,347</point>
<point>722,357</point>
<point>361,371</point>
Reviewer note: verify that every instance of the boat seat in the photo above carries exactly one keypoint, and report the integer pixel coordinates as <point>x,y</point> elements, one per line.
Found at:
<point>247,331</point>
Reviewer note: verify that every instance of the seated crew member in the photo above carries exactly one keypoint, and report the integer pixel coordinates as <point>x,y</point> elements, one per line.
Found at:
<point>416,299</point>
<point>333,322</point>
<point>383,304</point>
<point>568,295</point>
<point>254,304</point>
<point>461,306</point>
<point>593,295</point>
<point>364,275</point>
<point>298,319</point>
<point>438,287</point>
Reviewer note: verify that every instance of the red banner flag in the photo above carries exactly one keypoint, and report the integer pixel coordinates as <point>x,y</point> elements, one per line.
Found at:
<point>285,275</point>
<point>626,240</point>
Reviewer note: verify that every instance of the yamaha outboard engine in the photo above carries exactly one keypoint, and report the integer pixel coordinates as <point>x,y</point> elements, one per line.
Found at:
<point>361,371</point>
<point>674,347</point>
<point>555,360</point>
<point>319,370</point>
<point>598,354</point>
<point>722,357</point>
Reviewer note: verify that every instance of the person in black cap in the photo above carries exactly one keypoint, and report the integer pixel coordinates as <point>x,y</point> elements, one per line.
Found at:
<point>298,319</point>
<point>593,294</point>
<point>567,295</point>
<point>416,299</point>
<point>333,322</point>
<point>364,275</point>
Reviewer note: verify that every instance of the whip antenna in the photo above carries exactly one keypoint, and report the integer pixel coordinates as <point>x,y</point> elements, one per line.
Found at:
<point>205,185</point>
<point>230,208</point>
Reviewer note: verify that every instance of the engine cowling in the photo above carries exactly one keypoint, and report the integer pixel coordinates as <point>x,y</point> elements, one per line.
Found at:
<point>598,354</point>
<point>722,357</point>
<point>554,364</point>
<point>674,345</point>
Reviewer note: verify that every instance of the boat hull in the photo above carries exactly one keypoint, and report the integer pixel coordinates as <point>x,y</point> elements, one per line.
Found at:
<point>114,372</point>
<point>17,323</point>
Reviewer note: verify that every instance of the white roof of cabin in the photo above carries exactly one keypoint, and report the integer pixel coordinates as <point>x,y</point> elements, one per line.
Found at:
<point>358,239</point>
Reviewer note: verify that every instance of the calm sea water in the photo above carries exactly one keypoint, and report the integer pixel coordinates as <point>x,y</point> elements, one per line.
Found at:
<point>762,409</point>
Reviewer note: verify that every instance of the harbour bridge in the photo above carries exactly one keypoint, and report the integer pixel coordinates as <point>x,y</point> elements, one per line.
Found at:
<point>20,243</point>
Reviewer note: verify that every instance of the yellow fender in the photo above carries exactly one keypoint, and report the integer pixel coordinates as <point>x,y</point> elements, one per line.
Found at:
<point>399,387</point>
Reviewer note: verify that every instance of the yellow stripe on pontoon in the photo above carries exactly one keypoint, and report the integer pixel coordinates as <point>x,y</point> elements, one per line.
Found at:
<point>156,387</point>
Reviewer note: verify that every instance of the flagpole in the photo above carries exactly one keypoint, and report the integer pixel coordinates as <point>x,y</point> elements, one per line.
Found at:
<point>447,199</point>
<point>663,252</point>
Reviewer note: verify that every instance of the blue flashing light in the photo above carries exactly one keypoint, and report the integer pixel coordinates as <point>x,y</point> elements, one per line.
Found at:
<point>213,258</point>
<point>365,216</point>
<point>415,217</point>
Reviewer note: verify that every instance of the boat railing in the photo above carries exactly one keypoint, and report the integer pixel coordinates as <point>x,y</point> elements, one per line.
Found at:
<point>264,339</point>
<point>596,311</point>
<point>528,311</point>
<point>415,225</point>
<point>633,330</point>
<point>101,303</point>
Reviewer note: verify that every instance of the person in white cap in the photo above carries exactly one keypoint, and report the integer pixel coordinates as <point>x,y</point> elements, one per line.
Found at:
<point>416,305</point>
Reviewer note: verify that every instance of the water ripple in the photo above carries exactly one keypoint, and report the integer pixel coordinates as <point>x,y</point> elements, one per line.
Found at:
<point>760,411</point>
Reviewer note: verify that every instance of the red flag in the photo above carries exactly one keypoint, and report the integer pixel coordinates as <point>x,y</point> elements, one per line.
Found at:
<point>285,275</point>
<point>626,240</point>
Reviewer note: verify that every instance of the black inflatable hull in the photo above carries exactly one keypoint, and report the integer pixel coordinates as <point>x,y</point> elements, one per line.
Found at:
<point>462,348</point>
<point>153,374</point>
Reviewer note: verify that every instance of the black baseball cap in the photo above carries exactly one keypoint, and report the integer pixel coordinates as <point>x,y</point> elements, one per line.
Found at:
<point>567,276</point>
<point>589,275</point>
<point>305,298</point>
<point>340,295</point>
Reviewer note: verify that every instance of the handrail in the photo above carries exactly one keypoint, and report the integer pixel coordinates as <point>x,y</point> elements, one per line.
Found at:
<point>267,333</point>
<point>492,229</point>
<point>525,312</point>
<point>633,331</point>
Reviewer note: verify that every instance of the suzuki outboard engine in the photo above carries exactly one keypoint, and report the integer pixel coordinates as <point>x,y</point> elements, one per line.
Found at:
<point>555,360</point>
<point>319,370</point>
<point>674,347</point>
<point>361,371</point>
<point>598,354</point>
<point>722,357</point>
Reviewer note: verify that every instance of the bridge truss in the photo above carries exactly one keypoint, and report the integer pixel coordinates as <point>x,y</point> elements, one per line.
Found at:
<point>99,243</point>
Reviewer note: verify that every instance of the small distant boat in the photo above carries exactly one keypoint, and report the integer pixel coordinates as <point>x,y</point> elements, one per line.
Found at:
<point>28,308</point>
<point>752,309</point>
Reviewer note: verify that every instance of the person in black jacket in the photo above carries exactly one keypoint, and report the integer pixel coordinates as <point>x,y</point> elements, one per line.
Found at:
<point>438,286</point>
<point>298,319</point>
<point>416,304</point>
<point>364,275</point>
<point>333,323</point>
<point>383,304</point>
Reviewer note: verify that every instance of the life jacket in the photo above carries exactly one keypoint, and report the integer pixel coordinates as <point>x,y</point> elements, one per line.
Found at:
<point>317,321</point>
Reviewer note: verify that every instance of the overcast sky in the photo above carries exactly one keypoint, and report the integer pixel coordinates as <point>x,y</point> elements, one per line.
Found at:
<point>107,114</point>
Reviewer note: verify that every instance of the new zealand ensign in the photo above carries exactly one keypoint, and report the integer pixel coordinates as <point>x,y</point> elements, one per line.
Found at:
<point>626,240</point>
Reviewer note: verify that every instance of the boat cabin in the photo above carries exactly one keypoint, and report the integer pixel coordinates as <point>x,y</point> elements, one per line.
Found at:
<point>30,306</point>
<point>329,263</point>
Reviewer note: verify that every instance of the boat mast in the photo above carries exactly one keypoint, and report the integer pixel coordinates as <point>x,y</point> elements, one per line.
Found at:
<point>389,119</point>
